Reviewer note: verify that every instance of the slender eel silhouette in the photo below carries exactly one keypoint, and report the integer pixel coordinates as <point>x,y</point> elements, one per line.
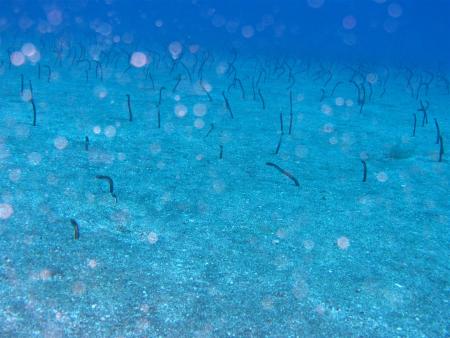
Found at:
<point>284,172</point>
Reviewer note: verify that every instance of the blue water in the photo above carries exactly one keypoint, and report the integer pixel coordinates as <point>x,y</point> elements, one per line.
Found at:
<point>224,168</point>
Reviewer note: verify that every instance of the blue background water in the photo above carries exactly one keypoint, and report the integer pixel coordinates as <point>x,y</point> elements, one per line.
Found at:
<point>418,33</point>
<point>201,237</point>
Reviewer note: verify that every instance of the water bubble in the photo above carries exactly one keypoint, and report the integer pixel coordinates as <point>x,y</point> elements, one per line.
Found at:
<point>281,233</point>
<point>301,151</point>
<point>25,23</point>
<point>218,21</point>
<point>308,244</point>
<point>152,237</point>
<point>232,26</point>
<point>349,39</point>
<point>320,309</point>
<point>44,27</point>
<point>101,92</point>
<point>199,123</point>
<point>363,155</point>
<point>300,289</point>
<point>181,110</point>
<point>79,288</point>
<point>194,48</point>
<point>247,31</point>
<point>390,25</point>
<point>52,179</point>
<point>44,274</point>
<point>343,243</point>
<point>267,303</point>
<point>127,38</point>
<point>395,10</point>
<point>22,132</point>
<point>17,58</point>
<point>327,110</point>
<point>34,158</point>
<point>175,49</point>
<point>138,59</point>
<point>169,128</point>
<point>15,174</point>
<point>145,308</point>
<point>105,29</point>
<point>340,101</point>
<point>6,210</point>
<point>207,86</point>
<point>221,68</point>
<point>60,142</point>
<point>28,49</point>
<point>155,148</point>
<point>166,197</point>
<point>54,17</point>
<point>110,131</point>
<point>372,78</point>
<point>200,109</point>
<point>382,177</point>
<point>35,57</point>
<point>27,95</point>
<point>328,128</point>
<point>316,3</point>
<point>349,22</point>
<point>97,130</point>
<point>219,186</point>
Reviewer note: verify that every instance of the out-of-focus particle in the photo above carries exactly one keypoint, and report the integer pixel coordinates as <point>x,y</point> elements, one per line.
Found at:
<point>6,211</point>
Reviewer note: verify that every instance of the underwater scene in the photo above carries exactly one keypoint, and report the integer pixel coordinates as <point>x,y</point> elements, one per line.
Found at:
<point>224,168</point>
